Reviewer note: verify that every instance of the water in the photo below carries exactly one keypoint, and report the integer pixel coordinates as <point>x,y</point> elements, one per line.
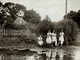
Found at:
<point>67,53</point>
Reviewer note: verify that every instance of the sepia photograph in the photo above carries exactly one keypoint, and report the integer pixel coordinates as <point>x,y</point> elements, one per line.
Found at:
<point>39,29</point>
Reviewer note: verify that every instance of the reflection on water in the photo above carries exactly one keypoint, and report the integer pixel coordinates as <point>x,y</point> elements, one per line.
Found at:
<point>55,54</point>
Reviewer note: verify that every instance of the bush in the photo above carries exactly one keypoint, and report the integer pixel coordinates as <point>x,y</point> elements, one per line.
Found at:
<point>69,28</point>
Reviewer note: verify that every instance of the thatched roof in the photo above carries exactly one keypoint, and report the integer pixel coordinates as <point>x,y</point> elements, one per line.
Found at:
<point>20,21</point>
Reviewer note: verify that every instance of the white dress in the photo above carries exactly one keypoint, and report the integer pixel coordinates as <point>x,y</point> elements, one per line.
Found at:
<point>54,39</point>
<point>48,39</point>
<point>40,42</point>
<point>61,39</point>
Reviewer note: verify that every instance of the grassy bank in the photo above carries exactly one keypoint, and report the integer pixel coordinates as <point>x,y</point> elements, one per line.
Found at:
<point>16,44</point>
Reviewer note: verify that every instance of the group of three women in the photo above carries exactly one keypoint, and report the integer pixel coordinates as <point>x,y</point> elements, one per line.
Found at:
<point>52,39</point>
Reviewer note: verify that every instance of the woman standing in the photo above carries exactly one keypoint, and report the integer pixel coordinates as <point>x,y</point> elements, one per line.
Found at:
<point>54,39</point>
<point>61,39</point>
<point>48,39</point>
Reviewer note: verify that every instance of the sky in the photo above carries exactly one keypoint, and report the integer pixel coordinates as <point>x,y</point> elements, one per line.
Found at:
<point>55,9</point>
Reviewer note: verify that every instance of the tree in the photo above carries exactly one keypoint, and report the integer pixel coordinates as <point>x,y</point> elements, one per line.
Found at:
<point>2,13</point>
<point>75,16</point>
<point>10,8</point>
<point>70,30</point>
<point>46,25</point>
<point>9,24</point>
<point>20,7</point>
<point>32,16</point>
<point>13,9</point>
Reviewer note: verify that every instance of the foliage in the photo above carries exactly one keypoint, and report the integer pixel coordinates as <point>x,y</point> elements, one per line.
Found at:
<point>46,25</point>
<point>70,30</point>
<point>7,21</point>
<point>75,16</point>
<point>35,25</point>
<point>20,7</point>
<point>32,16</point>
<point>10,8</point>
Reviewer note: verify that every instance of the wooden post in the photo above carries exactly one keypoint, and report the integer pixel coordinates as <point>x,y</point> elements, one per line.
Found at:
<point>66,8</point>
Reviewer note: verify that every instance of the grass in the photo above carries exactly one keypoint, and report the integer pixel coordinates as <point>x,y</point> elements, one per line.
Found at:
<point>24,45</point>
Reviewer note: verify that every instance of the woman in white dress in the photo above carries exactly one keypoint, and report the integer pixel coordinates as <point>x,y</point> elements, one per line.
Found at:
<point>48,39</point>
<point>54,39</point>
<point>61,39</point>
<point>40,41</point>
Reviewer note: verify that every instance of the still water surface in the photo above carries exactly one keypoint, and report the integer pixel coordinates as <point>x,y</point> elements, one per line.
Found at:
<point>71,53</point>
